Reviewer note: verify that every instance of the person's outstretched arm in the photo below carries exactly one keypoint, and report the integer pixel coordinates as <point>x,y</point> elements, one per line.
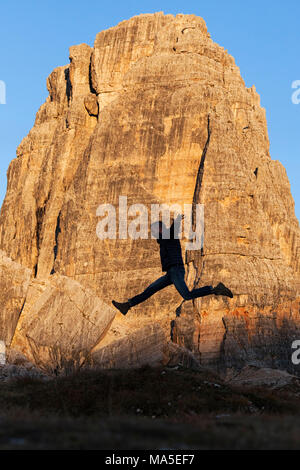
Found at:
<point>175,226</point>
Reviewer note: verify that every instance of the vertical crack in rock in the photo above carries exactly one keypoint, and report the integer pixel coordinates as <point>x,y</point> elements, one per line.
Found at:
<point>196,197</point>
<point>55,248</point>
<point>172,326</point>
<point>68,85</point>
<point>20,313</point>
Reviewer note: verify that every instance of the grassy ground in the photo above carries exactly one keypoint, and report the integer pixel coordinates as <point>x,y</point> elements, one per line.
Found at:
<point>144,409</point>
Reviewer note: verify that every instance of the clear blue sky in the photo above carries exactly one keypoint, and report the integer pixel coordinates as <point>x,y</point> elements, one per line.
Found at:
<point>263,36</point>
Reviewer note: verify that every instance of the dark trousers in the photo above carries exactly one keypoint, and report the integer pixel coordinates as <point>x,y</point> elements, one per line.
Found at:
<point>175,275</point>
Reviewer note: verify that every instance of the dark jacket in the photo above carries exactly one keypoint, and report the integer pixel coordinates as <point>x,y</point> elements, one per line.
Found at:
<point>170,249</point>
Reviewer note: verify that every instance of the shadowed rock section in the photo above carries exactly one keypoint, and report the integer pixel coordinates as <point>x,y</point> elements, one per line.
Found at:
<point>158,112</point>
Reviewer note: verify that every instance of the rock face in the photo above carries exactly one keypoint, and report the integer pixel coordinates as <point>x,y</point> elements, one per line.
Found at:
<point>60,322</point>
<point>158,112</point>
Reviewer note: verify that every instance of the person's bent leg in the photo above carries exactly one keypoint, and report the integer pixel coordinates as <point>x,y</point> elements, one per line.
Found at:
<point>156,286</point>
<point>177,276</point>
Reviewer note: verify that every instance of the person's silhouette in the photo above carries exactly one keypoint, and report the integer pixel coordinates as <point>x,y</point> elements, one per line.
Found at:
<point>172,264</point>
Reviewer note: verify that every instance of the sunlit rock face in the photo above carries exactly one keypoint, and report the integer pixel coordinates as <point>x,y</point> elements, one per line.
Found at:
<point>158,112</point>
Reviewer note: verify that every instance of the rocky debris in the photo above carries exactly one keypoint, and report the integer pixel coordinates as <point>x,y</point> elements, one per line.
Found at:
<point>14,282</point>
<point>180,357</point>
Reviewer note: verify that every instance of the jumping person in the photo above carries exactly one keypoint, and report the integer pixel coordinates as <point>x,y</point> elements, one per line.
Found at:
<point>172,264</point>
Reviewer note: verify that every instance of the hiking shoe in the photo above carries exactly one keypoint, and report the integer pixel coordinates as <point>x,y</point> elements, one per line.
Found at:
<point>123,307</point>
<point>220,289</point>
